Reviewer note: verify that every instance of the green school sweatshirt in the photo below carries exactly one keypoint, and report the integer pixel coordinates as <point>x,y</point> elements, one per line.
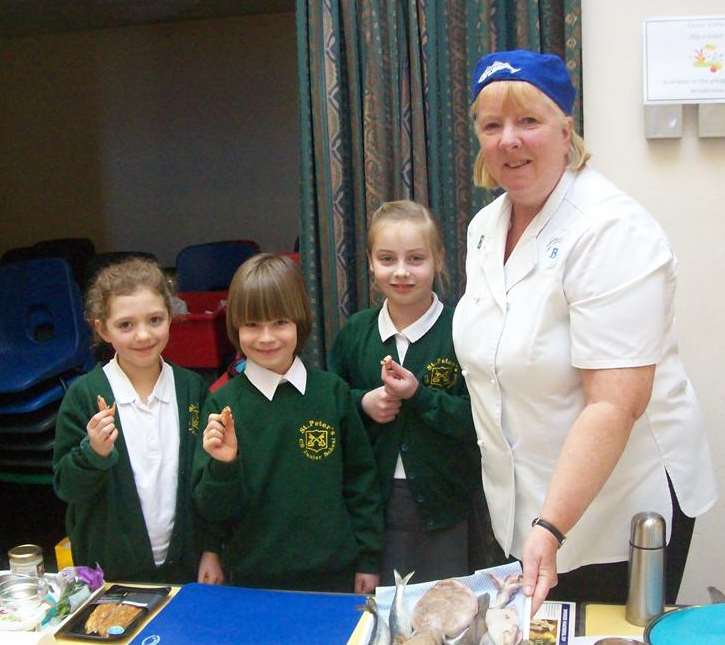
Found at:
<point>433,432</point>
<point>104,519</point>
<point>301,503</point>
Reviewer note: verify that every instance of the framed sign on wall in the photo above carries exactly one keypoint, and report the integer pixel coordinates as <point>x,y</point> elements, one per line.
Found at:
<point>684,60</point>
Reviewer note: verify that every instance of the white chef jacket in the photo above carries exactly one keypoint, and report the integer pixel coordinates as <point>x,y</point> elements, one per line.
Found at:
<point>589,285</point>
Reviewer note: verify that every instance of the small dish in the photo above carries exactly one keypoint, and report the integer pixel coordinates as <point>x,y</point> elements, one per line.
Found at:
<point>21,592</point>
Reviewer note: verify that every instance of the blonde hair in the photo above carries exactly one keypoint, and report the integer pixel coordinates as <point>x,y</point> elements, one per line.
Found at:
<point>405,210</point>
<point>123,279</point>
<point>268,287</point>
<point>521,94</point>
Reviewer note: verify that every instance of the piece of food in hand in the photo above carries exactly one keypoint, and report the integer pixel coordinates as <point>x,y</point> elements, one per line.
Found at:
<point>387,361</point>
<point>226,416</point>
<point>108,615</point>
<point>102,405</point>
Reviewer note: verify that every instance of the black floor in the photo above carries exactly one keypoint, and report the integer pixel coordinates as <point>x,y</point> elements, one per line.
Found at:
<point>30,514</point>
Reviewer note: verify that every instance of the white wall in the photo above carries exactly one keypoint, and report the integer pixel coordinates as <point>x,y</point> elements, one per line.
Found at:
<point>151,138</point>
<point>682,182</point>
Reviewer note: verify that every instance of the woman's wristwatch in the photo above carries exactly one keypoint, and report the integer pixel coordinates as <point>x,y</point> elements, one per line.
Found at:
<point>540,521</point>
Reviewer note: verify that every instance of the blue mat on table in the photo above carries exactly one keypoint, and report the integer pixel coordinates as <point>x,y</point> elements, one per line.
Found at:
<point>210,614</point>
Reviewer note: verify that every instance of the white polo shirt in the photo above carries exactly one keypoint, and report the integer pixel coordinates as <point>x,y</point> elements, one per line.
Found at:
<point>267,381</point>
<point>589,285</point>
<point>151,433</point>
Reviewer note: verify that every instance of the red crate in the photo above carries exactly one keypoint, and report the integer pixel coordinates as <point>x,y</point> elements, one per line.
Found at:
<point>199,338</point>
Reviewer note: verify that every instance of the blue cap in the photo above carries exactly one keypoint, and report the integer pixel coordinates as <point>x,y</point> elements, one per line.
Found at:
<point>546,72</point>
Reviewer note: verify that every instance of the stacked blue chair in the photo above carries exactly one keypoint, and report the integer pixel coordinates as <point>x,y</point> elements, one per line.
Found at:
<point>44,346</point>
<point>210,266</point>
<point>77,251</point>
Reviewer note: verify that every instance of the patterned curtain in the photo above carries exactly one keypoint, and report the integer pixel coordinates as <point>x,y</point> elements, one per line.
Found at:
<point>384,97</point>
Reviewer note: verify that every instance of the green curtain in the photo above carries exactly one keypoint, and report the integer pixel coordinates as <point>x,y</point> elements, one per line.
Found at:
<point>384,99</point>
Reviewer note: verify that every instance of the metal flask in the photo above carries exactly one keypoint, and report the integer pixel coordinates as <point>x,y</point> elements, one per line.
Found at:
<point>646,592</point>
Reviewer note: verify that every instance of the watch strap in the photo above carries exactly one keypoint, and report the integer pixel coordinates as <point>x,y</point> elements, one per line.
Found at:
<point>540,521</point>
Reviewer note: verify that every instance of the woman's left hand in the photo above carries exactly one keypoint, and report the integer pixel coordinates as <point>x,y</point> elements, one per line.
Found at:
<point>397,380</point>
<point>539,563</point>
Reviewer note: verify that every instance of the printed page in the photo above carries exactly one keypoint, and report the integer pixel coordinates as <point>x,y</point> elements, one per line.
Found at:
<point>553,624</point>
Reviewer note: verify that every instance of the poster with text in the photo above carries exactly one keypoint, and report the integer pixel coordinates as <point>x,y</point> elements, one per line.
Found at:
<point>684,60</point>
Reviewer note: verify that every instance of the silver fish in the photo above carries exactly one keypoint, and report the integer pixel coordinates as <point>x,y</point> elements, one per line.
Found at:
<point>380,634</point>
<point>400,626</point>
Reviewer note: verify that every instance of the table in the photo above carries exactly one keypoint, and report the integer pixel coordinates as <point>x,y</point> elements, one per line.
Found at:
<point>204,614</point>
<point>603,620</point>
<point>593,618</point>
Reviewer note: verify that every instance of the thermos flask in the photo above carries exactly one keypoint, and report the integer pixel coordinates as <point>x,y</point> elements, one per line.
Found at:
<point>646,591</point>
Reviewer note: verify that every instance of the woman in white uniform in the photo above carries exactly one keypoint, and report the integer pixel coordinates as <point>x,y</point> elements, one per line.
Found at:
<point>583,411</point>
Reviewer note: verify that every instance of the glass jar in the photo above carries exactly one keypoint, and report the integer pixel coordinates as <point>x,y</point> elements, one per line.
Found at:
<point>27,560</point>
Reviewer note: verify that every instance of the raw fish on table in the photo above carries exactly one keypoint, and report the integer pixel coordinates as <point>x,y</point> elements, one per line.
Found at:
<point>460,611</point>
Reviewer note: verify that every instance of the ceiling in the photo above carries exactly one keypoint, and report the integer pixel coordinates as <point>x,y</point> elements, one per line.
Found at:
<point>31,17</point>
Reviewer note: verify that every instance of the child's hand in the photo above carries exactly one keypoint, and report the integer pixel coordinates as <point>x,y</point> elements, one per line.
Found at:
<point>210,569</point>
<point>220,437</point>
<point>102,430</point>
<point>397,380</point>
<point>380,406</point>
<point>366,582</point>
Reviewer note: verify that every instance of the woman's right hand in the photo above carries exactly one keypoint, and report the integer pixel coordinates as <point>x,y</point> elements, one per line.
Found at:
<point>102,432</point>
<point>380,405</point>
<point>220,441</point>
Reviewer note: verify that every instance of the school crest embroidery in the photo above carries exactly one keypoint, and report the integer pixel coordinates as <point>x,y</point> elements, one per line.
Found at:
<point>317,439</point>
<point>194,418</point>
<point>441,373</point>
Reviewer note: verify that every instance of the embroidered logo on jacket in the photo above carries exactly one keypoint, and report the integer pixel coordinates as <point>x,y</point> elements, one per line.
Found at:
<point>194,418</point>
<point>317,439</point>
<point>442,373</point>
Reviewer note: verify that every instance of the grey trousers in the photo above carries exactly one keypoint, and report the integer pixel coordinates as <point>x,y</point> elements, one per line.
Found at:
<point>433,555</point>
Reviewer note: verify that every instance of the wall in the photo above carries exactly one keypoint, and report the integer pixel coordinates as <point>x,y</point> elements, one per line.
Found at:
<point>682,182</point>
<point>151,138</point>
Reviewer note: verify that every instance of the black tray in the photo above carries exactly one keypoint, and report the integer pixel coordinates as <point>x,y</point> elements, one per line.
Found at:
<point>150,597</point>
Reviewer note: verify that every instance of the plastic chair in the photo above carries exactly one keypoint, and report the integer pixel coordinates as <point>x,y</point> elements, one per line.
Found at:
<point>36,422</point>
<point>10,443</point>
<point>19,254</point>
<point>76,251</point>
<point>42,330</point>
<point>40,396</point>
<point>210,266</point>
